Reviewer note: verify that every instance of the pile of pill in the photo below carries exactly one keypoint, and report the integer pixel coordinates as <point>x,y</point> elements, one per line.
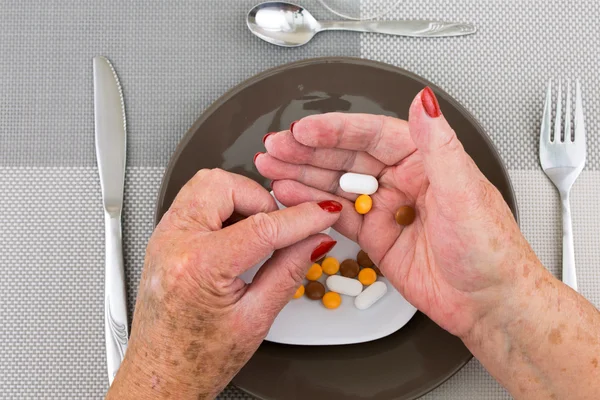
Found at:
<point>357,278</point>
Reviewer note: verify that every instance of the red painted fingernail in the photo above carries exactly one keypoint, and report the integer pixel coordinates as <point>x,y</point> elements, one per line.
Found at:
<point>330,206</point>
<point>255,156</point>
<point>430,103</point>
<point>292,126</point>
<point>322,249</point>
<point>266,136</point>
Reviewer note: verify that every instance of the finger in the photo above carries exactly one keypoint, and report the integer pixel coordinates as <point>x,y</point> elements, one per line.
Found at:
<point>279,277</point>
<point>283,146</point>
<point>291,193</point>
<point>211,196</point>
<point>448,167</point>
<point>323,179</point>
<point>385,138</point>
<point>251,240</point>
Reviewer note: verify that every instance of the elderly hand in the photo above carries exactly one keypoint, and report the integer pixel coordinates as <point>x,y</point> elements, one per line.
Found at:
<point>459,256</point>
<point>196,322</point>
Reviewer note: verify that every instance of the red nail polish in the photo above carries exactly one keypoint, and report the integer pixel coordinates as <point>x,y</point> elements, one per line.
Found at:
<point>255,156</point>
<point>330,206</point>
<point>322,249</point>
<point>266,136</point>
<point>430,103</point>
<point>292,126</point>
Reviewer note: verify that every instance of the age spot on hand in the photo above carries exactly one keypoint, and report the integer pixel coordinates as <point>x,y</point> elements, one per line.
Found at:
<point>555,337</point>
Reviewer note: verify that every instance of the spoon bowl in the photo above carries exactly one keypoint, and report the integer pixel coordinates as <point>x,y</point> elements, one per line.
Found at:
<point>283,24</point>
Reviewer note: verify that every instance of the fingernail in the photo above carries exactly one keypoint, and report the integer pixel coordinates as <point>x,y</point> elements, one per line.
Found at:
<point>430,103</point>
<point>256,156</point>
<point>322,249</point>
<point>266,136</point>
<point>292,126</point>
<point>330,206</point>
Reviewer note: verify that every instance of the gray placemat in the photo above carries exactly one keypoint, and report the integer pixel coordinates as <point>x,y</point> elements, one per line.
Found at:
<point>174,59</point>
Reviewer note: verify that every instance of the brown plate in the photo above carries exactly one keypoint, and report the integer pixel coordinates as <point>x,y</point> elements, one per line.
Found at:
<point>404,365</point>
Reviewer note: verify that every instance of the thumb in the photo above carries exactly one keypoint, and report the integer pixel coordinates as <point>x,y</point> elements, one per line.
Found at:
<point>448,167</point>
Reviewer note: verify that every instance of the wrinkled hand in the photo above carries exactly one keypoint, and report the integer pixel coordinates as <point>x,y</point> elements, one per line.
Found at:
<point>459,256</point>
<point>196,322</point>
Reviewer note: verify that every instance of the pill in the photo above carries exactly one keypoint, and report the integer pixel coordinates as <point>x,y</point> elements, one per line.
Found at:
<point>363,204</point>
<point>367,276</point>
<point>349,268</point>
<point>330,265</point>
<point>370,295</point>
<point>332,300</point>
<point>405,215</point>
<point>343,285</point>
<point>358,183</point>
<point>299,292</point>
<point>314,272</point>
<point>364,260</point>
<point>314,290</point>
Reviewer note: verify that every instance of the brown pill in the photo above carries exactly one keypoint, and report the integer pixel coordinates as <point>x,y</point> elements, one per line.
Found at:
<point>314,290</point>
<point>377,270</point>
<point>349,268</point>
<point>364,260</point>
<point>405,215</point>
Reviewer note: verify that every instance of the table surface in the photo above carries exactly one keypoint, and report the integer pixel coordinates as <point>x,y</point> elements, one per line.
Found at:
<point>174,59</point>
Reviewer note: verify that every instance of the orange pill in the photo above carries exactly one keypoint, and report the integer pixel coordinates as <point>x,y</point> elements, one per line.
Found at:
<point>332,300</point>
<point>314,272</point>
<point>299,292</point>
<point>330,265</point>
<point>367,276</point>
<point>363,204</point>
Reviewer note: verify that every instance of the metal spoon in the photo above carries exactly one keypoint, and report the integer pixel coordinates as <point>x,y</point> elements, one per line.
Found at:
<point>289,25</point>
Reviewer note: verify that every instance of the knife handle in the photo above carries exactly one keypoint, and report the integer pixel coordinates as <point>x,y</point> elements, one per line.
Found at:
<point>115,303</point>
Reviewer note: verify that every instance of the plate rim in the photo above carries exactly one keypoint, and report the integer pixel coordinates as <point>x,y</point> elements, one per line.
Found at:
<point>322,60</point>
<point>206,113</point>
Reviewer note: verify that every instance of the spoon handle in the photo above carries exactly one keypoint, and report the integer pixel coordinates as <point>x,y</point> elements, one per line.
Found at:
<point>403,28</point>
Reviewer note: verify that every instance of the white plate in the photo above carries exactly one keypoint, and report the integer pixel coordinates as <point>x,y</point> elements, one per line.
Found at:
<point>307,322</point>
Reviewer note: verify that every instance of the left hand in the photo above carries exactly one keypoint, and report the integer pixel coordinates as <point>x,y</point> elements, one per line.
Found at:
<point>196,322</point>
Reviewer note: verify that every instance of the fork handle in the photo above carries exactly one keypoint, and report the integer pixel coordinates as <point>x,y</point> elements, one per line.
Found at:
<point>568,272</point>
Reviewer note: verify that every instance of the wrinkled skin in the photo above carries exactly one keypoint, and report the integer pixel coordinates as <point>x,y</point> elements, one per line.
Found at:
<point>464,241</point>
<point>196,322</point>
<point>463,261</point>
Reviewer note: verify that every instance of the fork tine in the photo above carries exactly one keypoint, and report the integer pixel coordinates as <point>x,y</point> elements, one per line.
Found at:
<point>546,119</point>
<point>579,122</point>
<point>557,118</point>
<point>567,137</point>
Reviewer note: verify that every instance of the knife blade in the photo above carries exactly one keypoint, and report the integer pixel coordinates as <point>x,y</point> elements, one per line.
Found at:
<point>111,139</point>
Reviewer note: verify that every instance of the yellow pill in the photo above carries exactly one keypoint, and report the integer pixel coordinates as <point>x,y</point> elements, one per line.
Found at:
<point>367,276</point>
<point>330,265</point>
<point>299,292</point>
<point>332,300</point>
<point>314,272</point>
<point>363,204</point>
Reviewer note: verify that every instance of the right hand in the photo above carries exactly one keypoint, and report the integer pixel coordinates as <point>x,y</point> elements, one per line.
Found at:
<point>461,255</point>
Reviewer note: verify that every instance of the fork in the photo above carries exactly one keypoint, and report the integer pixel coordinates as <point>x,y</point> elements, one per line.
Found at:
<point>562,159</point>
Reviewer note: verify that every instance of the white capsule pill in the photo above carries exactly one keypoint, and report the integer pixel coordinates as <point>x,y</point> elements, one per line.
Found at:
<point>358,183</point>
<point>370,295</point>
<point>343,285</point>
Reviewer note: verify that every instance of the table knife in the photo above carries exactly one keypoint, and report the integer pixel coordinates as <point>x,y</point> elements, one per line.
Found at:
<point>110,138</point>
